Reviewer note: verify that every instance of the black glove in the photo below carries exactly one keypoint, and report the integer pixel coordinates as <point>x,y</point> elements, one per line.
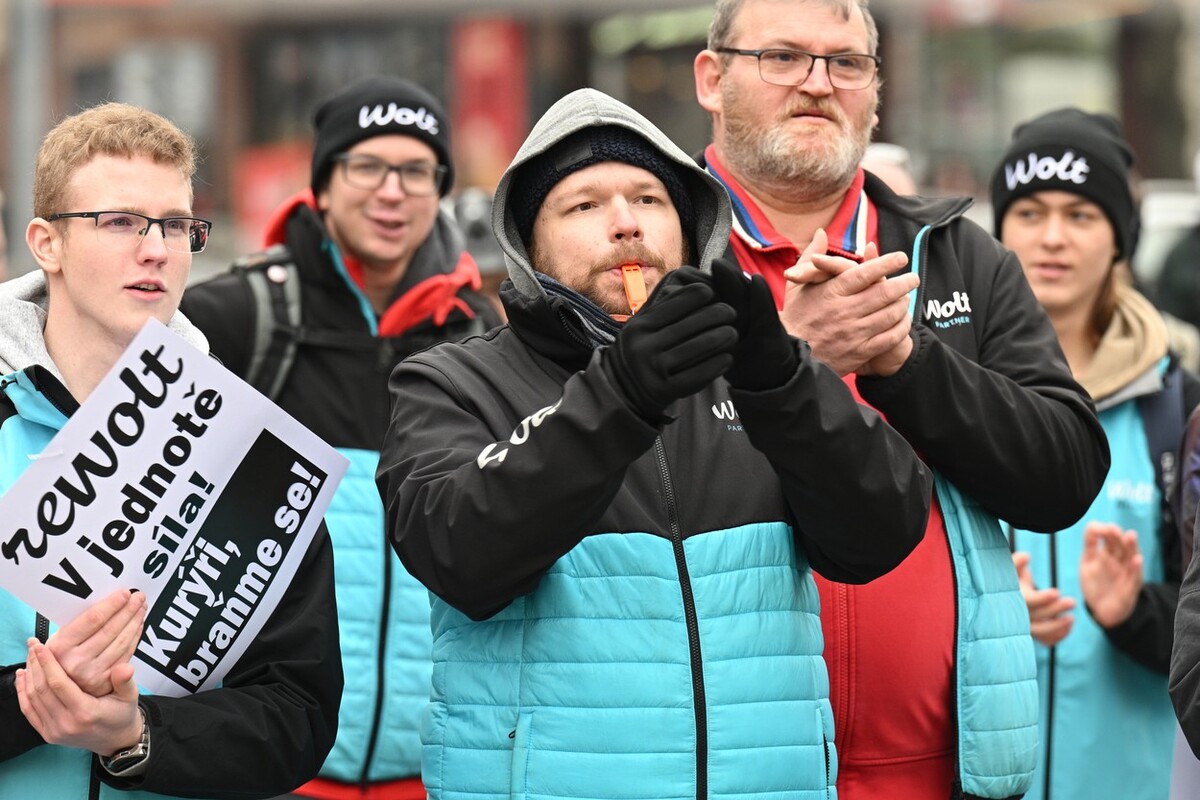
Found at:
<point>678,343</point>
<point>765,356</point>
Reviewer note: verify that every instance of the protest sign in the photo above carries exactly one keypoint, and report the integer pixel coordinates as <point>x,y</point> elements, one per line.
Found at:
<point>179,480</point>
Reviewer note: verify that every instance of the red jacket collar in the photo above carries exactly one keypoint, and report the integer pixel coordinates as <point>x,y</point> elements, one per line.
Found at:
<point>434,298</point>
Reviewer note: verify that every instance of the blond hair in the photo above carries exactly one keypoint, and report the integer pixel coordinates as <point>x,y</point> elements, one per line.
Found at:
<point>109,129</point>
<point>726,10</point>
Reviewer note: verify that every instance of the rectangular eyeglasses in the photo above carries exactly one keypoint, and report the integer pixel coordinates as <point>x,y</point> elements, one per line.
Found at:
<point>780,67</point>
<point>180,234</point>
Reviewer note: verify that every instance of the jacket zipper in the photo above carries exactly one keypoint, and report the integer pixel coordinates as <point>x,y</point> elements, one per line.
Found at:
<point>841,606</point>
<point>380,671</point>
<point>387,353</point>
<point>693,627</point>
<point>956,786</point>
<point>921,253</point>
<point>1050,670</point>
<point>575,337</point>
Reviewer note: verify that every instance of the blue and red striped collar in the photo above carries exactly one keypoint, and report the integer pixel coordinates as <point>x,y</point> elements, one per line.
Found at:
<point>854,224</point>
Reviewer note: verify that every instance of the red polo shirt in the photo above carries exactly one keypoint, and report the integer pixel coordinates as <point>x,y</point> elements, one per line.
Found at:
<point>889,644</point>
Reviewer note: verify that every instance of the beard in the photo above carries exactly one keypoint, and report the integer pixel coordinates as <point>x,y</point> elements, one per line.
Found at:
<point>813,164</point>
<point>595,282</point>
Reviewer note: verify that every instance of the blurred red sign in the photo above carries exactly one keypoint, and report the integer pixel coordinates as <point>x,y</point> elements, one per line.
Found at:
<point>489,98</point>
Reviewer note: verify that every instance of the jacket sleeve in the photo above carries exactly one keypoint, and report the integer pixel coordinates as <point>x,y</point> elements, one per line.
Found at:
<point>1184,677</point>
<point>1189,486</point>
<point>270,725</point>
<point>1148,634</point>
<point>478,514</point>
<point>16,734</point>
<point>858,492</point>
<point>1010,427</point>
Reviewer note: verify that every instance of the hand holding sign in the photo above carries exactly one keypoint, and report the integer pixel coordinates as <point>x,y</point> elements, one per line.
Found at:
<point>63,713</point>
<point>99,639</point>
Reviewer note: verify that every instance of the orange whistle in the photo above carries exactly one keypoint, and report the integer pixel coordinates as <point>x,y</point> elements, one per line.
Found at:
<point>635,286</point>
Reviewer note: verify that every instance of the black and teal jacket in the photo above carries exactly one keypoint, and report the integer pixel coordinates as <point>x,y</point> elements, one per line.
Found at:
<point>623,609</point>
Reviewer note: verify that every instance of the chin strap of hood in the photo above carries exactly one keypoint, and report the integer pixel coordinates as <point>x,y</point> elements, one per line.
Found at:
<point>601,328</point>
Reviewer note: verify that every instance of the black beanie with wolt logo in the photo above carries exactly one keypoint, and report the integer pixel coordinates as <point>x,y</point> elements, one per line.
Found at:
<point>377,106</point>
<point>1070,150</point>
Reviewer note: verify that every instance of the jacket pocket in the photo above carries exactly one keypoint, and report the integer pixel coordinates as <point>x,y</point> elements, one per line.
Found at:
<point>824,728</point>
<point>522,743</point>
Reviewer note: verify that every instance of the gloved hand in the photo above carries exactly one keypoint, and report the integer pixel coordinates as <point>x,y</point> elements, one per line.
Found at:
<point>765,356</point>
<point>678,343</point>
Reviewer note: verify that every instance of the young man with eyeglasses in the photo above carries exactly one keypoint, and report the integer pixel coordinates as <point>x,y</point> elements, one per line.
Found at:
<point>931,667</point>
<point>381,272</point>
<point>114,237</point>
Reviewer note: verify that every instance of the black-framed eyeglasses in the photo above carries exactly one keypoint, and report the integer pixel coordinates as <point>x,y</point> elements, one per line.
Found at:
<point>180,234</point>
<point>418,178</point>
<point>780,67</point>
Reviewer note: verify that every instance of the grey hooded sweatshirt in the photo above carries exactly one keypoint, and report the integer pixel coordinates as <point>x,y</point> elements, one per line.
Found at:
<point>588,108</point>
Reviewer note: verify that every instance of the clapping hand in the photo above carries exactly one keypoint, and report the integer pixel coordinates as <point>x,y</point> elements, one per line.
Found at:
<point>765,356</point>
<point>1110,572</point>
<point>1050,619</point>
<point>678,343</point>
<point>100,638</point>
<point>853,316</point>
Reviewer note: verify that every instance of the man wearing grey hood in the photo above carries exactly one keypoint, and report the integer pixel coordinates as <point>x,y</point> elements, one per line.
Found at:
<point>617,506</point>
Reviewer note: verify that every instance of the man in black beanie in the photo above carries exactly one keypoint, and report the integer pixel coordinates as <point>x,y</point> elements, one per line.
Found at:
<point>362,268</point>
<point>619,515</point>
<point>583,149</point>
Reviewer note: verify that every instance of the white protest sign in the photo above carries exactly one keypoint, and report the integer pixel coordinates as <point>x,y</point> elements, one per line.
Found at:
<point>177,479</point>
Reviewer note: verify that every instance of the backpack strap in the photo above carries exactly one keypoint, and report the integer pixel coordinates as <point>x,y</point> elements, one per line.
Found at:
<point>274,283</point>
<point>1164,416</point>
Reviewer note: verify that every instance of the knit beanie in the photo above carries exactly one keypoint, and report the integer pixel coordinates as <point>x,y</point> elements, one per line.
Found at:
<point>534,180</point>
<point>376,106</point>
<point>1073,151</point>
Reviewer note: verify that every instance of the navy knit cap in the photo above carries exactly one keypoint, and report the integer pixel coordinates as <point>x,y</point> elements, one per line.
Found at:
<point>377,106</point>
<point>586,147</point>
<point>1070,150</point>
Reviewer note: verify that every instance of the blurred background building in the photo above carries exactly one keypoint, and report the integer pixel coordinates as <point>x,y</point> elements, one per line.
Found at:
<point>243,77</point>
